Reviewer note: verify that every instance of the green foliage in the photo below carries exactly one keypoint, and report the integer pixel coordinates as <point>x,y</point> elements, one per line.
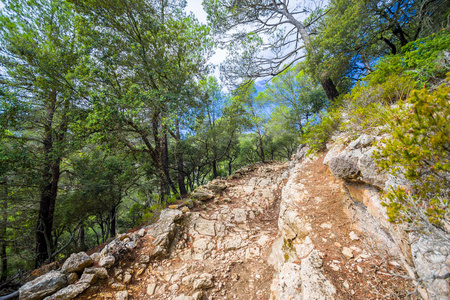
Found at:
<point>318,133</point>
<point>297,91</point>
<point>422,60</point>
<point>419,150</point>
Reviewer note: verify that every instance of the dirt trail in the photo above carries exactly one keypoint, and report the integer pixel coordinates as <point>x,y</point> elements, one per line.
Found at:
<point>223,248</point>
<point>352,261</point>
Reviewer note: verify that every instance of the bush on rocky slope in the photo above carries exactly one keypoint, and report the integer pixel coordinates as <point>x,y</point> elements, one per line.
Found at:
<point>419,149</point>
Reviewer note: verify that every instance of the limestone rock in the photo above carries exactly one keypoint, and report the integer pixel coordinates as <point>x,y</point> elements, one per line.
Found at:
<point>204,281</point>
<point>96,257</point>
<point>344,166</point>
<point>151,289</point>
<point>202,194</point>
<point>107,261</point>
<point>101,273</point>
<point>289,282</point>
<point>127,278</point>
<point>144,259</point>
<point>314,284</point>
<point>69,292</point>
<point>348,253</point>
<point>159,252</point>
<point>188,280</point>
<point>166,221</point>
<point>432,260</point>
<point>43,286</point>
<point>77,262</point>
<point>122,295</point>
<point>88,278</point>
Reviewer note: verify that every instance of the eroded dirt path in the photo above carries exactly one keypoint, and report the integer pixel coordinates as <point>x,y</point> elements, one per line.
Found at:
<point>316,215</point>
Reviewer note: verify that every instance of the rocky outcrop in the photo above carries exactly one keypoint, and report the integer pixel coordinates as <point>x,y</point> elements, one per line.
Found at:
<point>43,286</point>
<point>362,181</point>
<point>66,282</point>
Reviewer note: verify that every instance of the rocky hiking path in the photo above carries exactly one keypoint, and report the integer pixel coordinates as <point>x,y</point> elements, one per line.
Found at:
<point>271,231</point>
<point>218,249</point>
<point>239,244</point>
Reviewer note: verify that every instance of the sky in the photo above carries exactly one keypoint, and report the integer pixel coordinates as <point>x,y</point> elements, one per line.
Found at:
<point>195,6</point>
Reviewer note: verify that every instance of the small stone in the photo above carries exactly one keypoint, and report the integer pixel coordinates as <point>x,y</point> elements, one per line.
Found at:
<point>69,292</point>
<point>101,273</point>
<point>204,281</point>
<point>131,245</point>
<point>197,295</point>
<point>337,245</point>
<point>123,295</point>
<point>141,232</point>
<point>346,285</point>
<point>348,253</point>
<point>394,263</point>
<point>118,286</point>
<point>173,288</point>
<point>88,278</point>
<point>356,249</point>
<point>127,278</point>
<point>235,277</point>
<point>185,209</point>
<point>107,261</point>
<point>326,225</point>
<point>151,288</point>
<point>334,267</point>
<point>359,269</point>
<point>354,236</point>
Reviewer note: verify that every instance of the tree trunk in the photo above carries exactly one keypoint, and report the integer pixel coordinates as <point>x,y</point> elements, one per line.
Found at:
<point>49,192</point>
<point>81,244</point>
<point>261,148</point>
<point>214,168</point>
<point>330,89</point>
<point>3,238</point>
<point>165,185</point>
<point>112,224</point>
<point>180,162</point>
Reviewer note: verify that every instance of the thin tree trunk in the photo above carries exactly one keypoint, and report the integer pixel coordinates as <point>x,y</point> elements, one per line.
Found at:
<point>81,244</point>
<point>3,238</point>
<point>112,225</point>
<point>49,193</point>
<point>214,167</point>
<point>180,162</point>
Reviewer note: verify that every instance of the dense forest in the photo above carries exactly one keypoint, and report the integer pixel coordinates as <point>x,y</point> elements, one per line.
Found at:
<point>109,109</point>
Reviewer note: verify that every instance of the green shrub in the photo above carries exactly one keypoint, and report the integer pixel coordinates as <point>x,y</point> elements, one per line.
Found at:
<point>316,135</point>
<point>421,59</point>
<point>419,149</point>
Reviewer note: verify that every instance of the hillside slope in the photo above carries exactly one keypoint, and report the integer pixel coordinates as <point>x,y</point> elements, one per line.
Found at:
<point>271,231</point>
